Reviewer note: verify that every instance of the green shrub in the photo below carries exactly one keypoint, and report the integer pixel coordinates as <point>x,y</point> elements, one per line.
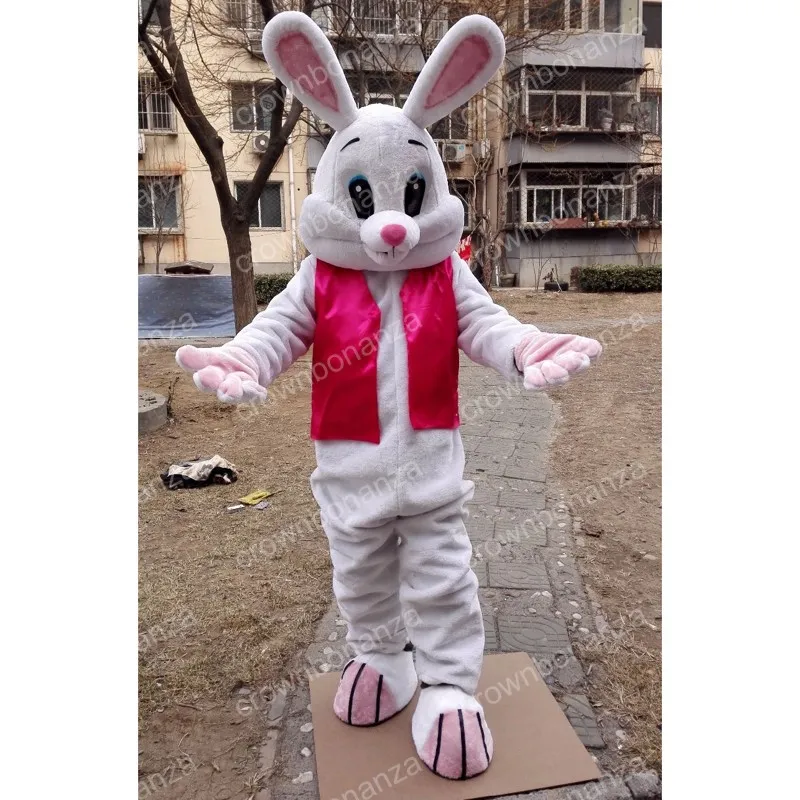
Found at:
<point>267,286</point>
<point>619,278</point>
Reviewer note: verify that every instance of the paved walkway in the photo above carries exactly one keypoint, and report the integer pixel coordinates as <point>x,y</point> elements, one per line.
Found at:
<point>531,592</point>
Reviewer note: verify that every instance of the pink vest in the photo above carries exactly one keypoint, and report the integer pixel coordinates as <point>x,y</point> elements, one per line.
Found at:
<point>344,390</point>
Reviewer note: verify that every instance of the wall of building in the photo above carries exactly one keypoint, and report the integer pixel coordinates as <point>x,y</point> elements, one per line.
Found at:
<point>528,255</point>
<point>201,237</point>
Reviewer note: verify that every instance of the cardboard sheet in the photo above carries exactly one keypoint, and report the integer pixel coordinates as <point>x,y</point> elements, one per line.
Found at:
<point>535,746</point>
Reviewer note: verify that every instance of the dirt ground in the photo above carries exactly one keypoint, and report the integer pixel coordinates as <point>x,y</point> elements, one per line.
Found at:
<point>227,599</point>
<point>607,457</point>
<point>221,604</point>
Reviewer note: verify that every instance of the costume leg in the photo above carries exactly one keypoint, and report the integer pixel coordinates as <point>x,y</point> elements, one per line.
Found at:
<point>440,593</point>
<point>380,680</point>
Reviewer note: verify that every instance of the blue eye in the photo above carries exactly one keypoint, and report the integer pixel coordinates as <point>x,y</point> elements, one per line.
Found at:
<point>361,195</point>
<point>415,192</point>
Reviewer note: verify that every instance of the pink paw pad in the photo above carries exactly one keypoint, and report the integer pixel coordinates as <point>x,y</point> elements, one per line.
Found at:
<point>363,698</point>
<point>459,746</point>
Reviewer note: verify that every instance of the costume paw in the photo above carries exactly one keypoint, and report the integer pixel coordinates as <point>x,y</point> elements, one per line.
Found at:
<point>451,734</point>
<point>551,359</point>
<point>374,687</point>
<point>234,380</point>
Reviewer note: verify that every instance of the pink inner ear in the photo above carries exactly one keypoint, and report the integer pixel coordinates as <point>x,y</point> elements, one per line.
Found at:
<point>303,63</point>
<point>466,61</point>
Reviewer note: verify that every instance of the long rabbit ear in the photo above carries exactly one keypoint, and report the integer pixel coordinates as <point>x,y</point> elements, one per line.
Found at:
<point>463,63</point>
<point>302,57</point>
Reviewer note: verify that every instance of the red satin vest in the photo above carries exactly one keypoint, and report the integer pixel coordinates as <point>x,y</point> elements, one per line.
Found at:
<point>344,389</point>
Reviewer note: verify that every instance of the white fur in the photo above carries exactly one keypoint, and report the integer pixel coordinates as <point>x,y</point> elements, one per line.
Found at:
<point>436,700</point>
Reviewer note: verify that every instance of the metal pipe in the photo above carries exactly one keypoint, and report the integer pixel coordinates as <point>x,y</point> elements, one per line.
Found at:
<point>292,212</point>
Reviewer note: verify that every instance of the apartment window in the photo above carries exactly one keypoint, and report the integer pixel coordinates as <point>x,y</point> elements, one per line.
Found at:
<point>155,107</point>
<point>268,212</point>
<point>381,16</point>
<point>649,112</point>
<point>597,101</point>
<point>576,14</point>
<point>158,202</point>
<point>251,106</point>
<point>595,15</point>
<point>454,126</point>
<point>245,14</point>
<point>649,198</point>
<point>575,194</point>
<point>651,20</point>
<point>463,190</point>
<point>612,15</point>
<point>143,6</point>
<point>546,15</point>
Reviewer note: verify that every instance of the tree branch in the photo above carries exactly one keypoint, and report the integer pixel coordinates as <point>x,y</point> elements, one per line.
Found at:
<point>175,82</point>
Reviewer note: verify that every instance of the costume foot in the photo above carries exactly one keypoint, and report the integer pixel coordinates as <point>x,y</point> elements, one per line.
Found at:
<point>451,734</point>
<point>374,687</point>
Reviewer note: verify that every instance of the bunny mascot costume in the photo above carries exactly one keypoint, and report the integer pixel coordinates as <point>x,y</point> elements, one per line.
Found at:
<point>386,303</point>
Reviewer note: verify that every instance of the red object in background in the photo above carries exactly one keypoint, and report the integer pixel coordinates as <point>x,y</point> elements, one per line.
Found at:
<point>465,249</point>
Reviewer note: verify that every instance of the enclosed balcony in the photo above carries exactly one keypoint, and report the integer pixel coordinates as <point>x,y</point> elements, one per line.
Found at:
<point>572,199</point>
<point>543,101</point>
<point>579,33</point>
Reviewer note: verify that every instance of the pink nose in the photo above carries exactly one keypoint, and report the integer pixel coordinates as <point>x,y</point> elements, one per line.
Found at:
<point>393,235</point>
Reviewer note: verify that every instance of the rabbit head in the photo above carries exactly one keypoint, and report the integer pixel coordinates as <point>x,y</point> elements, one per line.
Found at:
<point>381,200</point>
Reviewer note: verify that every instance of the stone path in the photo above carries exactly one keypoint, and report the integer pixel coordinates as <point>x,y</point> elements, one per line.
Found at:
<point>531,593</point>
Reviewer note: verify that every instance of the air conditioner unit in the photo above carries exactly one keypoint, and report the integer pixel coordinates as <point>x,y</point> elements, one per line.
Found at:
<point>254,41</point>
<point>142,144</point>
<point>454,152</point>
<point>260,143</point>
<point>481,149</point>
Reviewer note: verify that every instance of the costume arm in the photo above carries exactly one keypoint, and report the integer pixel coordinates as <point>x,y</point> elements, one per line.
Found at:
<point>283,331</point>
<point>487,333</point>
<point>240,370</point>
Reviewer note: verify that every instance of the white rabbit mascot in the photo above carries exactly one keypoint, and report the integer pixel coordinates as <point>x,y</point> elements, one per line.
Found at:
<point>387,304</point>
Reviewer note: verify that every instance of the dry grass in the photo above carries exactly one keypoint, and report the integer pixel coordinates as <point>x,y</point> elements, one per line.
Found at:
<point>625,681</point>
<point>225,599</point>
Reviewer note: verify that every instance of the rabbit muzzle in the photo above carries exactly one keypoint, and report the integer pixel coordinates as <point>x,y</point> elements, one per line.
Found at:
<point>389,236</point>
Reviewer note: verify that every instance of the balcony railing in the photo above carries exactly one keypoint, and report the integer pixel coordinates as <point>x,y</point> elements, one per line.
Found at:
<point>575,201</point>
<point>389,18</point>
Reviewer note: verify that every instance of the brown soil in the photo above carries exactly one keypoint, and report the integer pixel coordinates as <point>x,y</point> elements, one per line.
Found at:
<point>221,604</point>
<point>607,458</point>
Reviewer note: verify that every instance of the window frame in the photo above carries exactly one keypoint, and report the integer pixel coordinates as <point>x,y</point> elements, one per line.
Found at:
<point>469,197</point>
<point>653,96</point>
<point>528,77</point>
<point>529,193</point>
<point>658,201</point>
<point>279,184</point>
<point>149,96</point>
<point>660,26</point>
<point>255,96</point>
<point>177,190</point>
<point>254,19</point>
<point>527,11</point>
<point>468,137</point>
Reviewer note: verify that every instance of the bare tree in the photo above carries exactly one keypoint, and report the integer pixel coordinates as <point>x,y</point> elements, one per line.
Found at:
<point>158,40</point>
